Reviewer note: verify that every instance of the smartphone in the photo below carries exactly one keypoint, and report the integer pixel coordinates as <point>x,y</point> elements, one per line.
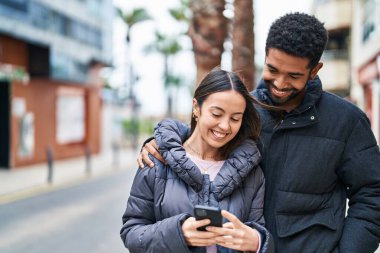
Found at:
<point>212,213</point>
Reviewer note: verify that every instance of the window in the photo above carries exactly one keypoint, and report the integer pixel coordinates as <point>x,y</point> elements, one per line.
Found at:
<point>371,20</point>
<point>39,16</point>
<point>44,18</point>
<point>65,68</point>
<point>21,5</point>
<point>85,34</point>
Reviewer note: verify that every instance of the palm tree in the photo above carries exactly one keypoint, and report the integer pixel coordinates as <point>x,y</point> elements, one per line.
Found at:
<point>173,83</point>
<point>208,30</point>
<point>243,52</point>
<point>136,16</point>
<point>167,47</point>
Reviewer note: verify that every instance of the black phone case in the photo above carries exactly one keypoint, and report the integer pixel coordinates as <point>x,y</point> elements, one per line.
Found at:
<point>208,212</point>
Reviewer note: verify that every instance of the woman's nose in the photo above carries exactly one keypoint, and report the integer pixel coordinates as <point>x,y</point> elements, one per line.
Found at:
<point>224,124</point>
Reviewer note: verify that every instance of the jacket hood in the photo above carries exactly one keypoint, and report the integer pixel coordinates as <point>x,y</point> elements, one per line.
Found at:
<point>239,164</point>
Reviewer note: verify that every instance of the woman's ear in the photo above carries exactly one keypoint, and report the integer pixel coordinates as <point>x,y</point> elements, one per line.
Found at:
<point>196,108</point>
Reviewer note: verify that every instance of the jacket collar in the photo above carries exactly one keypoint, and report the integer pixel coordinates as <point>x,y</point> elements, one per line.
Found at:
<point>239,164</point>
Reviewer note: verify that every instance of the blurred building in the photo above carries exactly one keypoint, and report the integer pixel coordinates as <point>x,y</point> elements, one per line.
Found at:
<point>336,15</point>
<point>352,57</point>
<point>366,59</point>
<point>62,46</point>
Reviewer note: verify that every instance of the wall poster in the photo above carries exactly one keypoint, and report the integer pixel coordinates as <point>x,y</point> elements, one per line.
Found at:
<point>70,115</point>
<point>26,141</point>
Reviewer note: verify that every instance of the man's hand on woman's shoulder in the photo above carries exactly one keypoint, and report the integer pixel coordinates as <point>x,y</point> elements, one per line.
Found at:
<point>149,148</point>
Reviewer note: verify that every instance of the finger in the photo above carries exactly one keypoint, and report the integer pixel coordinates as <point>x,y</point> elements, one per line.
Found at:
<point>201,242</point>
<point>218,230</point>
<point>229,245</point>
<point>154,143</point>
<point>229,225</point>
<point>232,218</point>
<point>200,223</point>
<point>154,151</point>
<point>140,162</point>
<point>225,241</point>
<point>191,224</point>
<point>145,157</point>
<point>227,229</point>
<point>202,235</point>
<point>155,146</point>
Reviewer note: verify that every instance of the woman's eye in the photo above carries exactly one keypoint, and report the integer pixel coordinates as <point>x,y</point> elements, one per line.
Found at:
<point>216,115</point>
<point>235,120</point>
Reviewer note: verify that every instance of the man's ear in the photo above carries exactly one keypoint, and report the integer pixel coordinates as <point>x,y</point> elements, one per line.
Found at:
<point>315,70</point>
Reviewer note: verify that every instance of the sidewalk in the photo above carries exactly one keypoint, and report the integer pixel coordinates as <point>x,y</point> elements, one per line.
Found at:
<point>31,180</point>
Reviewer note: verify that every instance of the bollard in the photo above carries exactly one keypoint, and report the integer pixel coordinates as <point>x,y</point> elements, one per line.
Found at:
<point>115,152</point>
<point>49,159</point>
<point>87,152</point>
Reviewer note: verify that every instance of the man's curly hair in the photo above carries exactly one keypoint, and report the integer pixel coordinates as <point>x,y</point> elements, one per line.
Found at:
<point>298,34</point>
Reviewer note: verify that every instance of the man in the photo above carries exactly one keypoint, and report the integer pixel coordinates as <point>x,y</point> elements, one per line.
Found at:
<point>317,152</point>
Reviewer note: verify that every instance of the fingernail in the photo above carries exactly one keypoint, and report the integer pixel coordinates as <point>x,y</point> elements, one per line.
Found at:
<point>151,165</point>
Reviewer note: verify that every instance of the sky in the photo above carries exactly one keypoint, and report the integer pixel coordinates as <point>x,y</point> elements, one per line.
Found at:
<point>149,67</point>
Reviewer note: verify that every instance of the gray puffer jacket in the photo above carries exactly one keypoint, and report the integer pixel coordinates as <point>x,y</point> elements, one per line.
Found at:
<point>163,197</point>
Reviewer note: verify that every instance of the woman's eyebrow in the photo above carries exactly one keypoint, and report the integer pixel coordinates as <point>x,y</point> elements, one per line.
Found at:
<point>221,109</point>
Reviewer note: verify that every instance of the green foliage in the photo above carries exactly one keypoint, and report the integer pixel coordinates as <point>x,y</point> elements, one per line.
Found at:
<point>174,81</point>
<point>138,126</point>
<point>107,86</point>
<point>130,19</point>
<point>136,16</point>
<point>181,13</point>
<point>164,44</point>
<point>13,73</point>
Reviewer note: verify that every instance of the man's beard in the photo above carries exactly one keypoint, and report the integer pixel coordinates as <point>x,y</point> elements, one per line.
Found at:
<point>283,100</point>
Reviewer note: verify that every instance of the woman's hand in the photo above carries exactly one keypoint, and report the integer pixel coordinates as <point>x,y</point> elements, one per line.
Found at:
<point>193,237</point>
<point>235,234</point>
<point>149,148</point>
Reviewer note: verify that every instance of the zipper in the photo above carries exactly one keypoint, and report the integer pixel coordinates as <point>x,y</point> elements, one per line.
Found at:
<point>277,125</point>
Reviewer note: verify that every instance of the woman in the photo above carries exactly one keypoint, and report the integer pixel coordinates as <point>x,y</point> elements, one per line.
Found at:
<point>216,166</point>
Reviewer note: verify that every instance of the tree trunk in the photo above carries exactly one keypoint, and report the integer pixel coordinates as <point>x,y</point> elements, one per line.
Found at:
<point>243,52</point>
<point>208,30</point>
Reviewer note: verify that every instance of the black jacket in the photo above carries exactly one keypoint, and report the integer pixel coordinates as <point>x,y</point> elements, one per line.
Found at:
<point>314,158</point>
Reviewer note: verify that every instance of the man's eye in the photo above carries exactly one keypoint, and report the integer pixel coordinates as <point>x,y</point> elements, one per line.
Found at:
<point>294,77</point>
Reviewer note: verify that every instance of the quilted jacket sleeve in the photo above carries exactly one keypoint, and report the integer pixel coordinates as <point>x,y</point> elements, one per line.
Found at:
<point>179,131</point>
<point>141,231</point>
<point>360,172</point>
<point>256,215</point>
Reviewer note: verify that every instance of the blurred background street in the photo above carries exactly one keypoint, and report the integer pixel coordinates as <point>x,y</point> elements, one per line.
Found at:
<point>81,218</point>
<point>84,82</point>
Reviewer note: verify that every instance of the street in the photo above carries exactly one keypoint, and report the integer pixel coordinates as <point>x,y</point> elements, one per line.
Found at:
<point>78,219</point>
